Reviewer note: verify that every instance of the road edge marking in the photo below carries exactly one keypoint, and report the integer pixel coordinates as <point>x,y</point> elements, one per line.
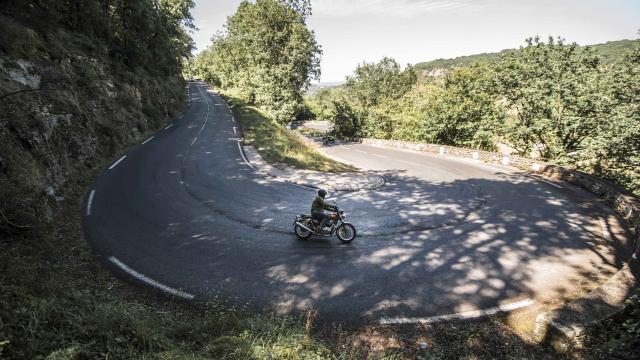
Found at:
<point>244,157</point>
<point>544,181</point>
<point>149,139</point>
<point>90,202</point>
<point>117,162</point>
<point>149,281</point>
<point>168,126</point>
<point>460,316</point>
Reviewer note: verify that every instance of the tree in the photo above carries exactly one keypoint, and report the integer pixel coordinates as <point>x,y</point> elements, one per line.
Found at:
<point>268,53</point>
<point>372,82</point>
<point>556,93</point>
<point>464,111</point>
<point>372,92</point>
<point>614,152</point>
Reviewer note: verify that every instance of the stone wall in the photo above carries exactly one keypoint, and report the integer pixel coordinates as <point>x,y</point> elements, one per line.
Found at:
<point>623,202</point>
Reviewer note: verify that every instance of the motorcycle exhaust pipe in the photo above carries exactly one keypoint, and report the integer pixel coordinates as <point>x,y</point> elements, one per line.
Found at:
<point>304,227</point>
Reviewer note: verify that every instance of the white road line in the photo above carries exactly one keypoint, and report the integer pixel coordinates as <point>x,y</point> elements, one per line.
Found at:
<point>194,141</point>
<point>244,157</point>
<point>545,181</point>
<point>234,130</point>
<point>180,117</point>
<point>380,156</point>
<point>90,202</point>
<point>117,162</point>
<point>460,316</point>
<point>605,230</point>
<point>360,151</point>
<point>150,281</point>
<point>149,139</point>
<point>343,147</point>
<point>168,126</point>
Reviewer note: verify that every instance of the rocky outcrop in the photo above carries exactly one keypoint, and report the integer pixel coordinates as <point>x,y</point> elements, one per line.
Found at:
<point>61,118</point>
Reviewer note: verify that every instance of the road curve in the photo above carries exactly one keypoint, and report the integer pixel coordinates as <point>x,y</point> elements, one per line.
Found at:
<point>184,213</point>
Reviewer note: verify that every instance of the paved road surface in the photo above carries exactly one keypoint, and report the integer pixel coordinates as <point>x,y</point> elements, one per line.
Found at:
<point>184,213</point>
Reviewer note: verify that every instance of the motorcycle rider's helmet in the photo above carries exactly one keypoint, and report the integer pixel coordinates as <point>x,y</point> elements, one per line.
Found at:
<point>322,193</point>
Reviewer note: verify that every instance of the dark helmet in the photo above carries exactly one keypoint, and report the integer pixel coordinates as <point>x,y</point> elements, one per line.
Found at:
<point>322,193</point>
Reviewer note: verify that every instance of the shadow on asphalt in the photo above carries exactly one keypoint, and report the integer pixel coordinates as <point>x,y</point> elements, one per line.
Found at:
<point>430,248</point>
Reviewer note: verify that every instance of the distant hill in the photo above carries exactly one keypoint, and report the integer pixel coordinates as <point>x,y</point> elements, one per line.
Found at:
<point>314,88</point>
<point>609,52</point>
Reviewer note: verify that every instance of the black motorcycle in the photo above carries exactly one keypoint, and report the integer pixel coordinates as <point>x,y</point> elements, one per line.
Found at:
<point>304,226</point>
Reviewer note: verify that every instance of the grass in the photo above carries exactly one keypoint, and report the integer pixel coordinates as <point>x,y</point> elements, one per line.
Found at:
<point>276,144</point>
<point>311,132</point>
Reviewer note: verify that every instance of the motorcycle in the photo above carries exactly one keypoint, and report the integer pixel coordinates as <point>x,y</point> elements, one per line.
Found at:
<point>304,226</point>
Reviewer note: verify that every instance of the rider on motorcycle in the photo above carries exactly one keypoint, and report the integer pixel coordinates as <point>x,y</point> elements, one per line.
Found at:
<point>318,206</point>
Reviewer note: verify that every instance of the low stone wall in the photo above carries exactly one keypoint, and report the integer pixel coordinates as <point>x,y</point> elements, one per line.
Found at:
<point>620,200</point>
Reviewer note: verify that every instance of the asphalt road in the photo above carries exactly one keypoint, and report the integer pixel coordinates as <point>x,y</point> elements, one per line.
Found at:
<point>183,213</point>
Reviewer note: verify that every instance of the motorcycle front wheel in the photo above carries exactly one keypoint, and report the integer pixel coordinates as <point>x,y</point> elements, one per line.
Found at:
<point>300,232</point>
<point>346,232</point>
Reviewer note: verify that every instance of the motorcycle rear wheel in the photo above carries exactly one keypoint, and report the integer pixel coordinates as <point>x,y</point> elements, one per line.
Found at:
<point>346,232</point>
<point>300,232</point>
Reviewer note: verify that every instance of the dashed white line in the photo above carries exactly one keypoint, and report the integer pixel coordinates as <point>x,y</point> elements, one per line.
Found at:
<point>460,316</point>
<point>381,156</point>
<point>146,141</point>
<point>117,162</point>
<point>180,117</point>
<point>168,126</point>
<point>194,140</point>
<point>360,151</point>
<point>234,130</point>
<point>545,181</point>
<point>150,281</point>
<point>90,202</point>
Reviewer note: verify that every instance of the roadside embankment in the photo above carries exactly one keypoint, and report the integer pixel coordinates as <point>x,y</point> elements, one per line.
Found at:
<point>277,145</point>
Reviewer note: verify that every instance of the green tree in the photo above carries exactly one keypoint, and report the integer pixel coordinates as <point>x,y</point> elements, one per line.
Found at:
<point>268,53</point>
<point>555,91</point>
<point>464,111</point>
<point>373,82</point>
<point>372,92</point>
<point>614,152</point>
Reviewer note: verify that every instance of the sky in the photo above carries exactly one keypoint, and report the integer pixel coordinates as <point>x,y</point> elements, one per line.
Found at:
<point>411,31</point>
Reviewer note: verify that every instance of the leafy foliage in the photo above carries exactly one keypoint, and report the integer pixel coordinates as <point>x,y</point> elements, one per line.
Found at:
<point>556,93</point>
<point>267,52</point>
<point>151,34</point>
<point>553,100</point>
<point>464,111</point>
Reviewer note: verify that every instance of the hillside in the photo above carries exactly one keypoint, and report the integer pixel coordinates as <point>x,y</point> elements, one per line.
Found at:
<point>609,52</point>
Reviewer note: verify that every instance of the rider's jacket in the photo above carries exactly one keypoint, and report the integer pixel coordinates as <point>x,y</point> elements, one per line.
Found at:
<point>319,205</point>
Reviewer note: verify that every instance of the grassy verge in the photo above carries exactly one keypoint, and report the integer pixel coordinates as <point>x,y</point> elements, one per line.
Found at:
<point>311,132</point>
<point>276,144</point>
